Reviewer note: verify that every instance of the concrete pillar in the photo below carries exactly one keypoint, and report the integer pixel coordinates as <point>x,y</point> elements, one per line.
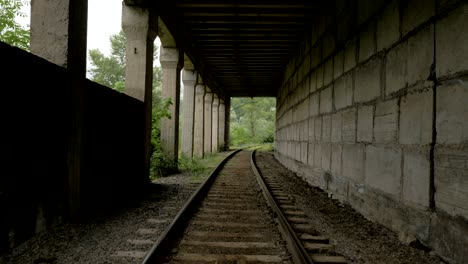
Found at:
<point>214,125</point>
<point>140,28</point>
<point>199,124</point>
<point>171,64</point>
<point>221,124</point>
<point>189,78</point>
<point>227,118</point>
<point>59,32</point>
<point>208,120</point>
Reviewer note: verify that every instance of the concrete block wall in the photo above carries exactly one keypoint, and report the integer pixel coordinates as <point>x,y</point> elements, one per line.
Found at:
<point>378,98</point>
<point>41,115</point>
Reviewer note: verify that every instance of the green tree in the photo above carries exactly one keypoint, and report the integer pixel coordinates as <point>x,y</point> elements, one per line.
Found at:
<point>12,32</point>
<point>252,120</point>
<point>110,70</point>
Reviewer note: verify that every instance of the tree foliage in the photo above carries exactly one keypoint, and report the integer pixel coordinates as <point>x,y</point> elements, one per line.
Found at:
<point>110,71</point>
<point>12,32</point>
<point>252,120</point>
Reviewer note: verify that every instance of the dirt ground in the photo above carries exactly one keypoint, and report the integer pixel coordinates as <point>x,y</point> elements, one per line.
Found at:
<point>97,240</point>
<point>356,238</point>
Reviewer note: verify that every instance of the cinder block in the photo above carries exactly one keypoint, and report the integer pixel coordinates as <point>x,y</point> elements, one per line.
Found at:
<point>315,55</point>
<point>314,104</point>
<point>326,128</point>
<point>328,72</point>
<point>326,157</point>
<point>451,42</point>
<point>451,180</point>
<point>388,26</point>
<point>336,127</point>
<point>318,156</point>
<point>367,85</point>
<point>305,108</point>
<point>367,42</point>
<point>297,146</point>
<point>396,68</point>
<point>416,118</point>
<point>304,152</point>
<point>306,65</point>
<point>452,112</point>
<point>337,151</point>
<point>343,88</point>
<point>421,55</point>
<point>353,162</point>
<point>416,177</point>
<point>311,130</point>
<point>383,168</point>
<point>350,55</point>
<point>313,81</point>
<point>310,155</point>
<point>319,77</point>
<point>326,102</point>
<point>367,9</point>
<point>318,128</point>
<point>386,121</point>
<point>328,44</point>
<point>365,124</point>
<point>338,63</point>
<point>305,129</point>
<point>300,73</point>
<point>349,125</point>
<point>415,13</point>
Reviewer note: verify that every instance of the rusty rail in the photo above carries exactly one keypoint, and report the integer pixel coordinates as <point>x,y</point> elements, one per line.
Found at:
<point>294,245</point>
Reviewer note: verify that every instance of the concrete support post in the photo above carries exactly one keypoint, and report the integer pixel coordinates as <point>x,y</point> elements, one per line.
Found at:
<point>59,32</point>
<point>221,125</point>
<point>140,28</point>
<point>227,118</point>
<point>215,124</point>
<point>189,78</point>
<point>208,120</point>
<point>199,124</point>
<point>171,64</point>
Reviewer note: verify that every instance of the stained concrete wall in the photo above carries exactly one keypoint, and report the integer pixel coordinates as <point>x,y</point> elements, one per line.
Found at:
<point>377,97</point>
<point>48,123</point>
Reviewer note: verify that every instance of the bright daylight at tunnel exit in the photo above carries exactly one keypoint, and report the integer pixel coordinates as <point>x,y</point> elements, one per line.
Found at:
<point>234,131</point>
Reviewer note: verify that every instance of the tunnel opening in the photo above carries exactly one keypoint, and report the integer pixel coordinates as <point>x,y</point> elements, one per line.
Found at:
<point>252,121</point>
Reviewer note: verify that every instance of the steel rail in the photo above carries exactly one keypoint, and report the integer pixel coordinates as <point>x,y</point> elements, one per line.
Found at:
<point>169,237</point>
<point>294,245</point>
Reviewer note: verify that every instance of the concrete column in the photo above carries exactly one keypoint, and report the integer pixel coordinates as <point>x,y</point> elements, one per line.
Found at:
<point>221,124</point>
<point>189,78</point>
<point>171,64</point>
<point>59,32</point>
<point>215,124</point>
<point>208,120</point>
<point>140,28</point>
<point>227,118</point>
<point>199,124</point>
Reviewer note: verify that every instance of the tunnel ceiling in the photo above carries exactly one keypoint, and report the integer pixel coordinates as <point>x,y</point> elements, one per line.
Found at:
<point>240,47</point>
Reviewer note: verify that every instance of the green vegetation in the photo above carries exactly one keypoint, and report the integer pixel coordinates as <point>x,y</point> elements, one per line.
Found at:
<point>200,168</point>
<point>110,71</point>
<point>252,121</point>
<point>12,32</point>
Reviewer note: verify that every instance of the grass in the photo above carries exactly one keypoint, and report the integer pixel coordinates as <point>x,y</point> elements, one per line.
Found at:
<point>200,168</point>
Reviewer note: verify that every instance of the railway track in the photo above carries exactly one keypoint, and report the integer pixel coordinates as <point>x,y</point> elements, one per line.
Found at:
<point>227,221</point>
